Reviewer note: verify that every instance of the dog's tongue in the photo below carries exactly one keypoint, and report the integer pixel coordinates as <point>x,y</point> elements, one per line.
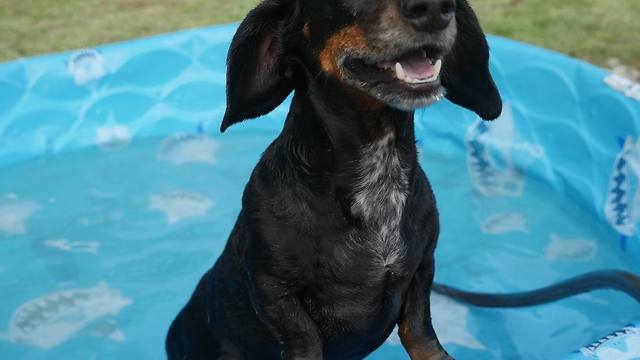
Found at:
<point>417,67</point>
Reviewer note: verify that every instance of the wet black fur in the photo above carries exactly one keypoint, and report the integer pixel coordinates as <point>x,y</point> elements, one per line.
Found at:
<point>281,288</point>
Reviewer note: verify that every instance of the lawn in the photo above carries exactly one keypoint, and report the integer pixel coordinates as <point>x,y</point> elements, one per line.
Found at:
<point>595,30</point>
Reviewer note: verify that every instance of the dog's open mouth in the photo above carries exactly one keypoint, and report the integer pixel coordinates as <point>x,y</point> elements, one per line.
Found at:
<point>408,81</point>
<point>416,69</point>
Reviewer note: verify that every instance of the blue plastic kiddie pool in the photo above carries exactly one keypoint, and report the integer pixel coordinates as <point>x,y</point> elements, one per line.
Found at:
<point>117,193</point>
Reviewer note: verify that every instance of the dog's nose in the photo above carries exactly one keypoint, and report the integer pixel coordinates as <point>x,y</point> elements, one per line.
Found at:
<point>428,15</point>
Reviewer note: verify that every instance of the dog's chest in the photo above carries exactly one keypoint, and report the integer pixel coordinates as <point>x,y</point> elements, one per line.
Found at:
<point>378,201</point>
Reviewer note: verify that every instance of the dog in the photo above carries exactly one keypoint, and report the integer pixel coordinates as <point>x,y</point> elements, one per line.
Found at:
<point>334,245</point>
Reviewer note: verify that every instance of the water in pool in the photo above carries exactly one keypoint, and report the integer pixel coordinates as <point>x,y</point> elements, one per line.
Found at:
<point>102,247</point>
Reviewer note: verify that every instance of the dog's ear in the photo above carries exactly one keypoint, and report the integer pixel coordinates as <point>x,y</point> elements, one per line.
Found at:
<point>466,73</point>
<point>256,80</point>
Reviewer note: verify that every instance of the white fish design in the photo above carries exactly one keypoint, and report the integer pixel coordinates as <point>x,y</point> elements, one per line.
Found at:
<point>621,345</point>
<point>184,149</point>
<point>450,322</point>
<point>624,85</point>
<point>108,330</point>
<point>622,208</point>
<point>504,223</point>
<point>14,214</point>
<point>178,206</point>
<point>113,136</point>
<point>73,246</point>
<point>630,351</point>
<point>53,319</point>
<point>490,149</point>
<point>570,249</point>
<point>86,66</point>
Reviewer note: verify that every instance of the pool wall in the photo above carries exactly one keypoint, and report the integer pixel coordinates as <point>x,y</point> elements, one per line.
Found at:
<point>566,125</point>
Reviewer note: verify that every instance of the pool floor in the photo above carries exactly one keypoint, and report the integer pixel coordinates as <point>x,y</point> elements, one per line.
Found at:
<point>103,246</point>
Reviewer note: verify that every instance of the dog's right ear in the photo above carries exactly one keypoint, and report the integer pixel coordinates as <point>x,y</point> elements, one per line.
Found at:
<point>256,79</point>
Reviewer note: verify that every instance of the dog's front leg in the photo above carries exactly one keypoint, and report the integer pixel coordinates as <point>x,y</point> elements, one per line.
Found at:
<point>285,317</point>
<point>415,328</point>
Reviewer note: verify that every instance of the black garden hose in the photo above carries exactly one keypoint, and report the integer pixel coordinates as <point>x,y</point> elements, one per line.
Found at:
<point>610,279</point>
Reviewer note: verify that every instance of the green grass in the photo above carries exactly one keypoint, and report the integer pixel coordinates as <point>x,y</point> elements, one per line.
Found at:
<point>29,27</point>
<point>595,30</point>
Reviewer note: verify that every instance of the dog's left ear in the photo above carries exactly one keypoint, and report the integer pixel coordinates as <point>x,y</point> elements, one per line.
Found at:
<point>466,73</point>
<point>256,79</point>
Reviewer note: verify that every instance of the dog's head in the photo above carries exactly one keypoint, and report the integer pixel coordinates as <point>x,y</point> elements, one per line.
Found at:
<point>404,54</point>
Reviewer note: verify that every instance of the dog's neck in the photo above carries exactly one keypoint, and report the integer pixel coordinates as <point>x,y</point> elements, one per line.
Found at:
<point>327,117</point>
<point>365,153</point>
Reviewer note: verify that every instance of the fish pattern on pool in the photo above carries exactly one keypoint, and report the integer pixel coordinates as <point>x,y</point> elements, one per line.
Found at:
<point>51,320</point>
<point>113,173</point>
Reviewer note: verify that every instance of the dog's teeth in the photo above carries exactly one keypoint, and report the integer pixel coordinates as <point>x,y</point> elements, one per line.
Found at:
<point>400,72</point>
<point>403,76</point>
<point>437,68</point>
<point>424,53</point>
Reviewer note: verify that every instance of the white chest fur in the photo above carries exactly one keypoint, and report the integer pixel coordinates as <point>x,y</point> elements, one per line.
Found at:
<point>379,197</point>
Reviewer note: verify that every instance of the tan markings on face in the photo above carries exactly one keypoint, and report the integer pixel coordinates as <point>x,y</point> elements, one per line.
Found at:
<point>306,31</point>
<point>350,38</point>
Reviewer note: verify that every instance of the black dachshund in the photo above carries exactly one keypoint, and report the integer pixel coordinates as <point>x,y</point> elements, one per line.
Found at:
<point>334,244</point>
